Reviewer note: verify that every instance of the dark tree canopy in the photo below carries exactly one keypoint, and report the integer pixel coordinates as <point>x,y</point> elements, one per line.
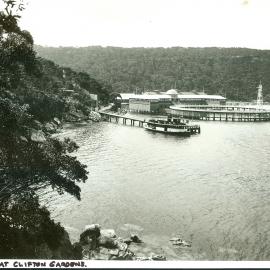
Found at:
<point>30,159</point>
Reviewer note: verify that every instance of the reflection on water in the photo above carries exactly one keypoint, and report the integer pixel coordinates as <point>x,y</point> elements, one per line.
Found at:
<point>212,188</point>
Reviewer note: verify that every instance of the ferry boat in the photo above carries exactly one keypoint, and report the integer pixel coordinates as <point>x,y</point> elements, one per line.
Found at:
<point>172,126</point>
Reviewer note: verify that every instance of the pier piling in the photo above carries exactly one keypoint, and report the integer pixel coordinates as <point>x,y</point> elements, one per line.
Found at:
<point>195,129</point>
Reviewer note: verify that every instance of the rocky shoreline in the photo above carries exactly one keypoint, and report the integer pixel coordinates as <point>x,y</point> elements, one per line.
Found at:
<point>103,244</point>
<point>39,131</point>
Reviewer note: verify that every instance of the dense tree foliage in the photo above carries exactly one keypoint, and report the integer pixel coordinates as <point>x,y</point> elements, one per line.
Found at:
<point>42,84</point>
<point>46,91</point>
<point>26,228</point>
<point>30,159</point>
<point>232,72</point>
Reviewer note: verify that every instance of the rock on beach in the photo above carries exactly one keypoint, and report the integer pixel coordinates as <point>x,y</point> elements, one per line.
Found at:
<point>103,244</point>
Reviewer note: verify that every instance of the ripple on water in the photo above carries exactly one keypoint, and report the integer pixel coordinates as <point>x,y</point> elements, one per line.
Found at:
<point>213,187</point>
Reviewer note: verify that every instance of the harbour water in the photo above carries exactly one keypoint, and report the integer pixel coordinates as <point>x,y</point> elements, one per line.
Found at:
<point>213,188</point>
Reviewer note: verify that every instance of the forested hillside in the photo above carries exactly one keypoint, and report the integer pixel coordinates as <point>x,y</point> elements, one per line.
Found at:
<point>32,100</point>
<point>42,84</point>
<point>232,72</point>
<point>47,96</point>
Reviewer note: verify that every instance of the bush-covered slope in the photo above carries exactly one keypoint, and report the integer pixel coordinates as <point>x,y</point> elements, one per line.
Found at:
<point>232,72</point>
<point>31,159</point>
<point>42,85</point>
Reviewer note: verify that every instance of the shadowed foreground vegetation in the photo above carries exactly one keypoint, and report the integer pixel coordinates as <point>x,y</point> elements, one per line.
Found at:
<point>31,95</point>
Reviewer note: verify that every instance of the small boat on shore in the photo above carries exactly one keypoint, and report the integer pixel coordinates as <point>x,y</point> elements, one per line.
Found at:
<point>172,126</point>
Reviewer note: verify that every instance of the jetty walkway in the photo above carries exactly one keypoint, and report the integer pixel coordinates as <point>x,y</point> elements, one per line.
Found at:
<point>127,120</point>
<point>111,117</point>
<point>221,113</point>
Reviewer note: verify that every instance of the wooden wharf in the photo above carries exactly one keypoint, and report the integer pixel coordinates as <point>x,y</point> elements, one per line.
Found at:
<point>110,117</point>
<point>126,120</point>
<point>221,113</point>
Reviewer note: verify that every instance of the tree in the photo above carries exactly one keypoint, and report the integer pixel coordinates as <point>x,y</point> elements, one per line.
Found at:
<point>30,159</point>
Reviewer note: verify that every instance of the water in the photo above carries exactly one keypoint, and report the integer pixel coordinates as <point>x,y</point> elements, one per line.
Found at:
<point>212,188</point>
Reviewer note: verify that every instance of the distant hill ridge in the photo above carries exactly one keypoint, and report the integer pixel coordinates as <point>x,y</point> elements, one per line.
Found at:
<point>231,72</point>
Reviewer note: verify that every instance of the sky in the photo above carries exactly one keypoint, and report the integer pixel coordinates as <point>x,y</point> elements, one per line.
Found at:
<point>149,23</point>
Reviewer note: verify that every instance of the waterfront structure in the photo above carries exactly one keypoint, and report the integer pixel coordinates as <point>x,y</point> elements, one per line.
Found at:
<point>171,125</point>
<point>124,97</point>
<point>232,112</point>
<point>221,113</point>
<point>149,103</point>
<point>111,117</point>
<point>202,99</point>
<point>153,102</point>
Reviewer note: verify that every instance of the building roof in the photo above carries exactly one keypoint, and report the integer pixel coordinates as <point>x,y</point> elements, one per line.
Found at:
<point>150,93</point>
<point>172,92</point>
<point>127,95</point>
<point>205,96</point>
<point>187,93</point>
<point>145,97</point>
<point>157,96</point>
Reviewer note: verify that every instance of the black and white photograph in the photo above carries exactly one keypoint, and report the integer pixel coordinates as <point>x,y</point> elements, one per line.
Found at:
<point>134,131</point>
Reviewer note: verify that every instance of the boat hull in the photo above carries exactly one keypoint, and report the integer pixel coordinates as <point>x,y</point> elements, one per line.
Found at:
<point>176,133</point>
